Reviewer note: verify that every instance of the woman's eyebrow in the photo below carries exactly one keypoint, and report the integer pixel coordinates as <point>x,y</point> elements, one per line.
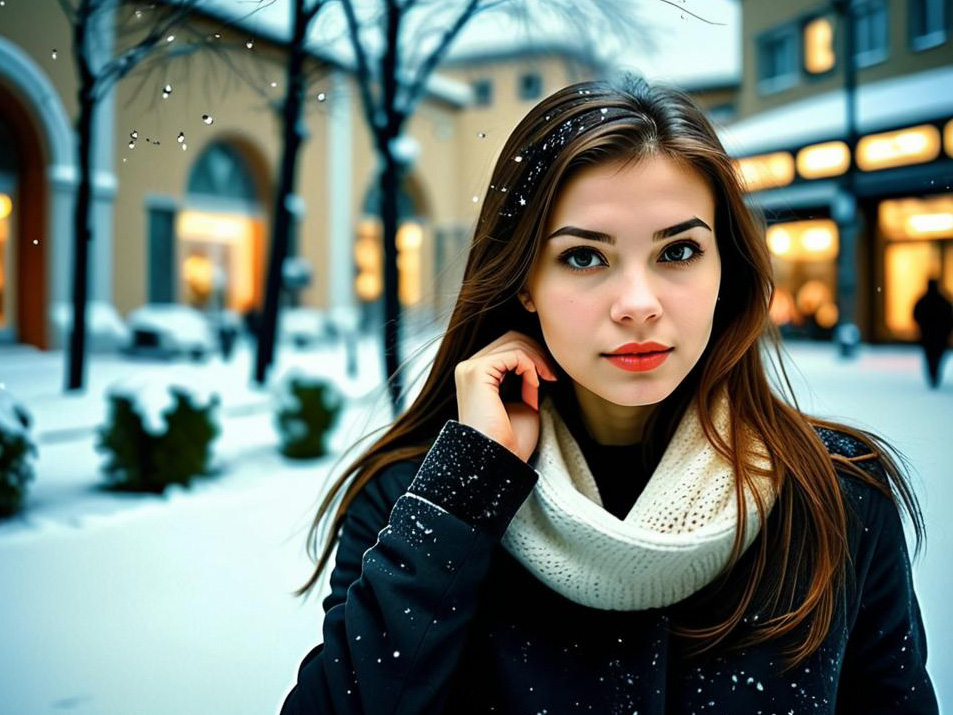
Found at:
<point>659,235</point>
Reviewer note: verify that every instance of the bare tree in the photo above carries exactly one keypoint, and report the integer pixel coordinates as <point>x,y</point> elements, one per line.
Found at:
<point>294,133</point>
<point>94,28</point>
<point>393,71</point>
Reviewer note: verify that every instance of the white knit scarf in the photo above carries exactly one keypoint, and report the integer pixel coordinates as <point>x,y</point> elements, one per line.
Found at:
<point>675,540</point>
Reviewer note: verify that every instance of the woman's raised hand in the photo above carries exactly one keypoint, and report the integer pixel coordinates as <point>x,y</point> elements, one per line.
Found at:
<point>515,425</point>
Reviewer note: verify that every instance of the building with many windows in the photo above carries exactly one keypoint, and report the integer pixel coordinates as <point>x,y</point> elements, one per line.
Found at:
<point>816,172</point>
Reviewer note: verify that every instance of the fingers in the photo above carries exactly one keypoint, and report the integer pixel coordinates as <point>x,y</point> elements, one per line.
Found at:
<point>515,340</point>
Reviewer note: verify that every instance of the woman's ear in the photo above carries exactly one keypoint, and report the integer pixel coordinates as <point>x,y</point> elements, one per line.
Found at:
<point>527,301</point>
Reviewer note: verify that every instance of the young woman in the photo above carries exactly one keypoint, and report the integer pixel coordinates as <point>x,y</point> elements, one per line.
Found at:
<point>638,523</point>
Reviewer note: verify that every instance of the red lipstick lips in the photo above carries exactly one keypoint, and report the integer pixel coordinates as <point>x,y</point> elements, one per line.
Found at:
<point>639,357</point>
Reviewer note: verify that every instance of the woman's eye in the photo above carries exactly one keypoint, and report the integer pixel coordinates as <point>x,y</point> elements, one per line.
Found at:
<point>681,252</point>
<point>586,261</point>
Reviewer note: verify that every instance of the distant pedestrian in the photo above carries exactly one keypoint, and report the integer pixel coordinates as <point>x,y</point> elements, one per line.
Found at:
<point>933,312</point>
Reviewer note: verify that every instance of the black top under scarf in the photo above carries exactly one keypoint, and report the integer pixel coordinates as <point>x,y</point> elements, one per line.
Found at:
<point>618,469</point>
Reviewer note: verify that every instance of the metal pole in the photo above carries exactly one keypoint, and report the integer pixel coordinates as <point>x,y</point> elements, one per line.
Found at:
<point>844,206</point>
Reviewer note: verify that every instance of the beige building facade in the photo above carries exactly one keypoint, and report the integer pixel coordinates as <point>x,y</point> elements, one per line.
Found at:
<point>185,160</point>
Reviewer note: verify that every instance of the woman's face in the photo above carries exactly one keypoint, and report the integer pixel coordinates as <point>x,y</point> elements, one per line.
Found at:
<point>630,257</point>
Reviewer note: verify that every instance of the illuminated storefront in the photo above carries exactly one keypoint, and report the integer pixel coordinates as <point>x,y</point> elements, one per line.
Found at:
<point>218,259</point>
<point>905,237</point>
<point>804,255</point>
<point>413,241</point>
<point>219,236</point>
<point>917,239</point>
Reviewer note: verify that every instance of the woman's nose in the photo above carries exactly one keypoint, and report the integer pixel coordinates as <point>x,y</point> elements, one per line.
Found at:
<point>635,300</point>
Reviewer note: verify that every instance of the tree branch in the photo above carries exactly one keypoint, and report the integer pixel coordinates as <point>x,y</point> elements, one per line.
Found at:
<point>426,68</point>
<point>363,69</point>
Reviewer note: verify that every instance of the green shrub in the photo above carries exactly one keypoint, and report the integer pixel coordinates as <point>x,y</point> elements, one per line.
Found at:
<point>310,408</point>
<point>141,460</point>
<point>17,452</point>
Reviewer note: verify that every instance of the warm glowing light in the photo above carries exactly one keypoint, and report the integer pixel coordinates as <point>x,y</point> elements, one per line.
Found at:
<point>811,296</point>
<point>818,45</point>
<point>907,268</point>
<point>812,240</point>
<point>199,274</point>
<point>913,145</point>
<point>6,206</point>
<point>816,239</point>
<point>917,218</point>
<point>779,241</point>
<point>210,227</point>
<point>930,223</point>
<point>410,237</point>
<point>368,286</point>
<point>948,137</point>
<point>766,170</point>
<point>409,241</point>
<point>234,235</point>
<point>820,160</point>
<point>369,259</point>
<point>827,315</point>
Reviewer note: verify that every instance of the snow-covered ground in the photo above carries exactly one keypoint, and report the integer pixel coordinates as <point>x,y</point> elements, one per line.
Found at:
<point>182,603</point>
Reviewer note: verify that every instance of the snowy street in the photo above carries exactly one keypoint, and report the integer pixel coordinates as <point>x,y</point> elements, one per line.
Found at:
<point>115,604</point>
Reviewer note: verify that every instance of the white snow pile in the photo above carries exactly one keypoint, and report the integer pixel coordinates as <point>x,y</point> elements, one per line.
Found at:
<point>151,395</point>
<point>105,330</point>
<point>178,326</point>
<point>302,325</point>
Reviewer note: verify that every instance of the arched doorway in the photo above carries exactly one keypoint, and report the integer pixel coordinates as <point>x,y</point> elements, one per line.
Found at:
<point>23,226</point>
<point>220,233</point>
<point>413,247</point>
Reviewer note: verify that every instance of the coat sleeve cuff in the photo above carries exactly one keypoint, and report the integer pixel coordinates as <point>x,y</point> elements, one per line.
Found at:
<point>474,477</point>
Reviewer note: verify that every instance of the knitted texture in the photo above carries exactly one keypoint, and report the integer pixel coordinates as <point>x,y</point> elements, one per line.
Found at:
<point>675,540</point>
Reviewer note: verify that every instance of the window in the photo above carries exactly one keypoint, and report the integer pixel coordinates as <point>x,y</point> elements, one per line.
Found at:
<point>483,92</point>
<point>928,23</point>
<point>778,60</point>
<point>870,33</point>
<point>531,86</point>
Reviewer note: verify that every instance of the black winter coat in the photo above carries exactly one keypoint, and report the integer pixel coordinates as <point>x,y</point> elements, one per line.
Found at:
<point>429,614</point>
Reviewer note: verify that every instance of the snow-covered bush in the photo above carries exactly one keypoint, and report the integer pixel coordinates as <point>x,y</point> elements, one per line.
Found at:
<point>308,407</point>
<point>157,434</point>
<point>17,452</point>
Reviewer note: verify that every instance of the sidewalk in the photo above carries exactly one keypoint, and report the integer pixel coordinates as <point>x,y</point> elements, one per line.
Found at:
<point>182,603</point>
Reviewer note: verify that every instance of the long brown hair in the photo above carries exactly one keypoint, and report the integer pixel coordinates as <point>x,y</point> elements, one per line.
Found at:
<point>620,121</point>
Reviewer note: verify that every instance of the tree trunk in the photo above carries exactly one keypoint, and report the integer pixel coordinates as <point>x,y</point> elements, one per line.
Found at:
<point>294,132</point>
<point>82,214</point>
<point>389,186</point>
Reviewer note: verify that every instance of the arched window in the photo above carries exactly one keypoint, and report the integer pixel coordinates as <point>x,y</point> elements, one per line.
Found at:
<point>222,173</point>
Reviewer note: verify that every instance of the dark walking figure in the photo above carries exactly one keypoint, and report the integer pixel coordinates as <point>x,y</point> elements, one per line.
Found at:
<point>933,312</point>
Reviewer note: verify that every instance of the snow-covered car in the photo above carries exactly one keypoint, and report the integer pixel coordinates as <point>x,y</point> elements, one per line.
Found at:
<point>170,330</point>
